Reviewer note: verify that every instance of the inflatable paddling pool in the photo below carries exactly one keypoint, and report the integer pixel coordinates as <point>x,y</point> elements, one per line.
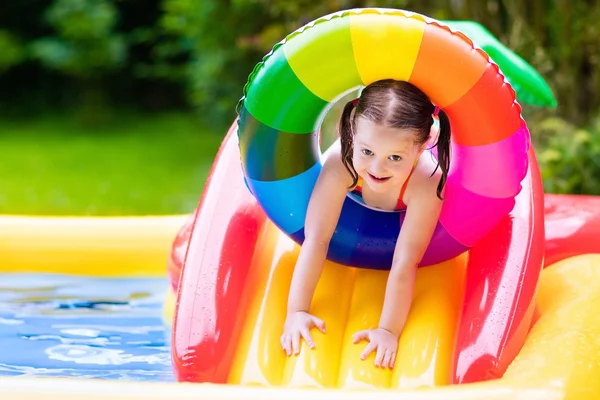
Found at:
<point>558,359</point>
<point>494,322</point>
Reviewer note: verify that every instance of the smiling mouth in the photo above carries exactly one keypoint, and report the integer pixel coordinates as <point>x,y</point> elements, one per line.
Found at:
<point>378,179</point>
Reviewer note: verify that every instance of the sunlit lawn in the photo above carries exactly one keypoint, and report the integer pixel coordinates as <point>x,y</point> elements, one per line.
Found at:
<point>138,165</point>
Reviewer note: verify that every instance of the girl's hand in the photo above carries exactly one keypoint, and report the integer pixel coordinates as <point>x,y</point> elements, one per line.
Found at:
<point>385,342</point>
<point>296,325</point>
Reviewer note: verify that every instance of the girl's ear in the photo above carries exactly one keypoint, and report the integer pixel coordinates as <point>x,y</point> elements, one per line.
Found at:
<point>434,131</point>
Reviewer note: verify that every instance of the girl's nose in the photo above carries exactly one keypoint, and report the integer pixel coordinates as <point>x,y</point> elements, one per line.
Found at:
<point>377,168</point>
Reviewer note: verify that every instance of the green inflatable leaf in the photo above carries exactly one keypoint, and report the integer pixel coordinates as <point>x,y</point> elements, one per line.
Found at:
<point>528,84</point>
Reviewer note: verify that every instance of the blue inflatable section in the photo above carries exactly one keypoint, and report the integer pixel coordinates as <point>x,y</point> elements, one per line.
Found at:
<point>286,201</point>
<point>363,237</point>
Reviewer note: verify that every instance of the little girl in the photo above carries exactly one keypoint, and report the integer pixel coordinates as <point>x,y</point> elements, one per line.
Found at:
<point>377,159</point>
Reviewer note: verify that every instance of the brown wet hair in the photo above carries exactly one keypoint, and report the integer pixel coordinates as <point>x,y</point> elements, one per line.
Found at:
<point>395,104</point>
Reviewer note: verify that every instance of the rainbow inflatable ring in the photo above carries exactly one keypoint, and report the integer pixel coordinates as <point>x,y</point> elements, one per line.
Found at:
<point>290,90</point>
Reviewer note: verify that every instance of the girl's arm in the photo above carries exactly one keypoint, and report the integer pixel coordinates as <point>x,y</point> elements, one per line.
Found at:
<point>322,217</point>
<point>418,227</point>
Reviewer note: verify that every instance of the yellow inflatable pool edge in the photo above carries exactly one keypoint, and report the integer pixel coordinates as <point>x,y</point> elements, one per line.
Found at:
<point>168,309</point>
<point>72,389</point>
<point>91,246</point>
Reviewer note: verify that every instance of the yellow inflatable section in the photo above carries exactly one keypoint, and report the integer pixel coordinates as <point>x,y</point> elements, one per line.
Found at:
<point>95,246</point>
<point>425,346</point>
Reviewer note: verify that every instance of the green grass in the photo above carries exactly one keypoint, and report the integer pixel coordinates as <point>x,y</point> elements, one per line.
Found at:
<point>137,165</point>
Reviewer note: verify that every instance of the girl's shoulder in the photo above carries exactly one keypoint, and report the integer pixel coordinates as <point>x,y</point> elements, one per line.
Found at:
<point>425,178</point>
<point>333,165</point>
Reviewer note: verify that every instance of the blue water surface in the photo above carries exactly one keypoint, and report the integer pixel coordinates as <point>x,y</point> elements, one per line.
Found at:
<point>62,325</point>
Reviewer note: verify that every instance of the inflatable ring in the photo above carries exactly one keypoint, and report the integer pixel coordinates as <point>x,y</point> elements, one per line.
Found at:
<point>289,91</point>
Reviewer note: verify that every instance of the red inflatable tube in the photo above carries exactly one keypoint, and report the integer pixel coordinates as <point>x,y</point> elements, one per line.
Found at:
<point>502,277</point>
<point>224,232</point>
<point>572,226</point>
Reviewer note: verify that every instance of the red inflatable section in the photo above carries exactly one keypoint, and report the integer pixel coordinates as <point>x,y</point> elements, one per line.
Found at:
<point>222,238</point>
<point>572,226</point>
<point>502,277</point>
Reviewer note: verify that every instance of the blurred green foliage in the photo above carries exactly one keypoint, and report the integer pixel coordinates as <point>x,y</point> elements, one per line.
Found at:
<point>94,56</point>
<point>85,44</point>
<point>211,33</point>
<point>11,51</point>
<point>570,156</point>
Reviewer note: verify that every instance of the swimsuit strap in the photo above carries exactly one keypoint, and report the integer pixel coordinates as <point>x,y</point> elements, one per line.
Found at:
<point>406,183</point>
<point>358,186</point>
<point>400,203</point>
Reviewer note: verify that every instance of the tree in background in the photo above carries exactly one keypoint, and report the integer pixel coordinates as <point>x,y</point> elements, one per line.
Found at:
<point>202,42</point>
<point>85,48</point>
<point>207,48</point>
<point>11,51</point>
<point>558,37</point>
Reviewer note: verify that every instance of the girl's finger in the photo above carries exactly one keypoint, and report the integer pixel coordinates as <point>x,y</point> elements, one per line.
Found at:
<point>360,335</point>
<point>296,342</point>
<point>387,359</point>
<point>368,350</point>
<point>319,324</point>
<point>379,356</point>
<point>306,335</point>
<point>286,344</point>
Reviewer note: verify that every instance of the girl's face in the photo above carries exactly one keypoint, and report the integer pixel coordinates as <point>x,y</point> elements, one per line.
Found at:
<point>384,156</point>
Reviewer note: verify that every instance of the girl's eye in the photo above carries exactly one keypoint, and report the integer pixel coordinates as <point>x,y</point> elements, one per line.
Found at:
<point>395,158</point>
<point>367,152</point>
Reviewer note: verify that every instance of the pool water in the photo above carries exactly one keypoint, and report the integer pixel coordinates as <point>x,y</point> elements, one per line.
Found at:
<point>62,325</point>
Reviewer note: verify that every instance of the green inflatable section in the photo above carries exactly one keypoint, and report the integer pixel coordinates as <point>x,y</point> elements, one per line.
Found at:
<point>528,84</point>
